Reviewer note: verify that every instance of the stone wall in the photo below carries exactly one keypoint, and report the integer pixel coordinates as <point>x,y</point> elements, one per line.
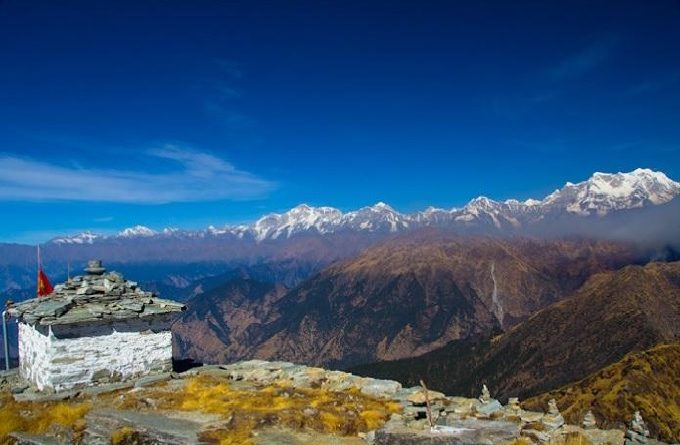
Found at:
<point>117,353</point>
<point>33,355</point>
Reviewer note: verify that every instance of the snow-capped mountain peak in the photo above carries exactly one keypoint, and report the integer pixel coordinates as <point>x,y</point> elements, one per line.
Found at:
<point>600,194</point>
<point>136,231</point>
<point>605,192</point>
<point>86,237</point>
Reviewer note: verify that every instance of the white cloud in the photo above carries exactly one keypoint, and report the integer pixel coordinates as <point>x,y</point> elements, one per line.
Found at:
<point>198,177</point>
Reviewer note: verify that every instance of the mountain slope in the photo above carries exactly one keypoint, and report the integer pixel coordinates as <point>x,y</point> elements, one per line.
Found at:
<point>416,293</point>
<point>219,325</point>
<point>647,381</point>
<point>613,314</point>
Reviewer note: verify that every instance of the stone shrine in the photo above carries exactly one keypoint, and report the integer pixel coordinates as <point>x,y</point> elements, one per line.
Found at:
<point>95,328</point>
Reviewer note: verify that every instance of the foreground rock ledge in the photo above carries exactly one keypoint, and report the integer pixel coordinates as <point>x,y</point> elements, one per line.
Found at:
<point>113,418</point>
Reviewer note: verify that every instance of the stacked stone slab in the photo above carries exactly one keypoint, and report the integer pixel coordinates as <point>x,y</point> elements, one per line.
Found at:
<point>95,328</point>
<point>488,406</point>
<point>589,421</point>
<point>637,432</point>
<point>552,419</point>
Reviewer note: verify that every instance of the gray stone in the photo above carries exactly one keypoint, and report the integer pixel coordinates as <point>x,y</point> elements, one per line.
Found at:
<point>486,395</point>
<point>589,421</point>
<point>637,432</point>
<point>456,432</point>
<point>152,379</point>
<point>51,308</point>
<point>490,407</point>
<point>153,428</point>
<point>33,439</point>
<point>553,419</point>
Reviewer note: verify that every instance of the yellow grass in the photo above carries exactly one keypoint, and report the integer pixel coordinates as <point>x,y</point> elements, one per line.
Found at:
<point>37,418</point>
<point>647,381</point>
<point>243,410</point>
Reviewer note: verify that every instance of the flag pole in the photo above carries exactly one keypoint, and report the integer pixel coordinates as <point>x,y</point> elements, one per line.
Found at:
<point>5,340</point>
<point>37,290</point>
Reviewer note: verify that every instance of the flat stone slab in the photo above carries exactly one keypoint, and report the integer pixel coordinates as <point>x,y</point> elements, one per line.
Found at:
<point>152,379</point>
<point>155,428</point>
<point>457,432</point>
<point>280,436</point>
<point>33,439</point>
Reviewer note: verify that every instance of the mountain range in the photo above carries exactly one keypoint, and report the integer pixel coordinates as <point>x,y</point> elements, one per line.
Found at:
<point>526,297</point>
<point>600,195</point>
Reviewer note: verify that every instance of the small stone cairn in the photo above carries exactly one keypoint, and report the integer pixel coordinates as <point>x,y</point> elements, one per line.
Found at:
<point>553,419</point>
<point>589,421</point>
<point>513,406</point>
<point>637,432</point>
<point>488,405</point>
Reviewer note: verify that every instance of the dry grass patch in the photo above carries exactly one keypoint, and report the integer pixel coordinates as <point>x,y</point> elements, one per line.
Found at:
<point>244,410</point>
<point>37,418</point>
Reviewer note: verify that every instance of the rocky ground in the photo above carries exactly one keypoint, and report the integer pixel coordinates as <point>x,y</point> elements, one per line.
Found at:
<point>267,403</point>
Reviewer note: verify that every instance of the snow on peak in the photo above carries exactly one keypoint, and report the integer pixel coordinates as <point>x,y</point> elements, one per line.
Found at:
<point>86,237</point>
<point>605,192</point>
<point>136,231</point>
<point>600,194</point>
<point>381,206</point>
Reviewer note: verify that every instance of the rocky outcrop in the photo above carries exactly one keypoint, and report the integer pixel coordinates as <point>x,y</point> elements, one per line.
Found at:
<point>230,403</point>
<point>553,419</point>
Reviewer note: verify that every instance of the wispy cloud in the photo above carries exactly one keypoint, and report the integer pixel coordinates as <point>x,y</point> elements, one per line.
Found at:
<point>584,60</point>
<point>653,85</point>
<point>223,95</point>
<point>196,176</point>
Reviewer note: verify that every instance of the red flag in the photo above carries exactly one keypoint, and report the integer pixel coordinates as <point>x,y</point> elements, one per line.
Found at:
<point>44,286</point>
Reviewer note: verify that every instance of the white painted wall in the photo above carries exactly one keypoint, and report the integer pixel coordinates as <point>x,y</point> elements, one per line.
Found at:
<point>63,363</point>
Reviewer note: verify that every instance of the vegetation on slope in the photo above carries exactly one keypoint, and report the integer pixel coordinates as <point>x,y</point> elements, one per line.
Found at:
<point>416,293</point>
<point>647,381</point>
<point>614,313</point>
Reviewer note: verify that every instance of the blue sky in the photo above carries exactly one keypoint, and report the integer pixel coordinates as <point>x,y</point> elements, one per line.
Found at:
<point>186,114</point>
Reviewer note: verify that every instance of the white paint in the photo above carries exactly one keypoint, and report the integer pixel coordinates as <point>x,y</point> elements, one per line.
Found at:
<point>64,363</point>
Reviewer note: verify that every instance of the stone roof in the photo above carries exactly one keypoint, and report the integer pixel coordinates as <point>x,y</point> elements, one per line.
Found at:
<point>95,297</point>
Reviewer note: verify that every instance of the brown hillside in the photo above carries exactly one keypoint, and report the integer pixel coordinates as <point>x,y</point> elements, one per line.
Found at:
<point>414,294</point>
<point>614,313</point>
<point>647,381</point>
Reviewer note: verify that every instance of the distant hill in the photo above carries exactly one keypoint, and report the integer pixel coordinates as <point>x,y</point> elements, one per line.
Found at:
<point>648,381</point>
<point>614,313</point>
<point>407,296</point>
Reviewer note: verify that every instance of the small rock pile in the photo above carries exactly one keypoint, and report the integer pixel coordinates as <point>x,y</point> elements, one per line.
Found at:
<point>589,421</point>
<point>553,419</point>
<point>93,297</point>
<point>637,432</point>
